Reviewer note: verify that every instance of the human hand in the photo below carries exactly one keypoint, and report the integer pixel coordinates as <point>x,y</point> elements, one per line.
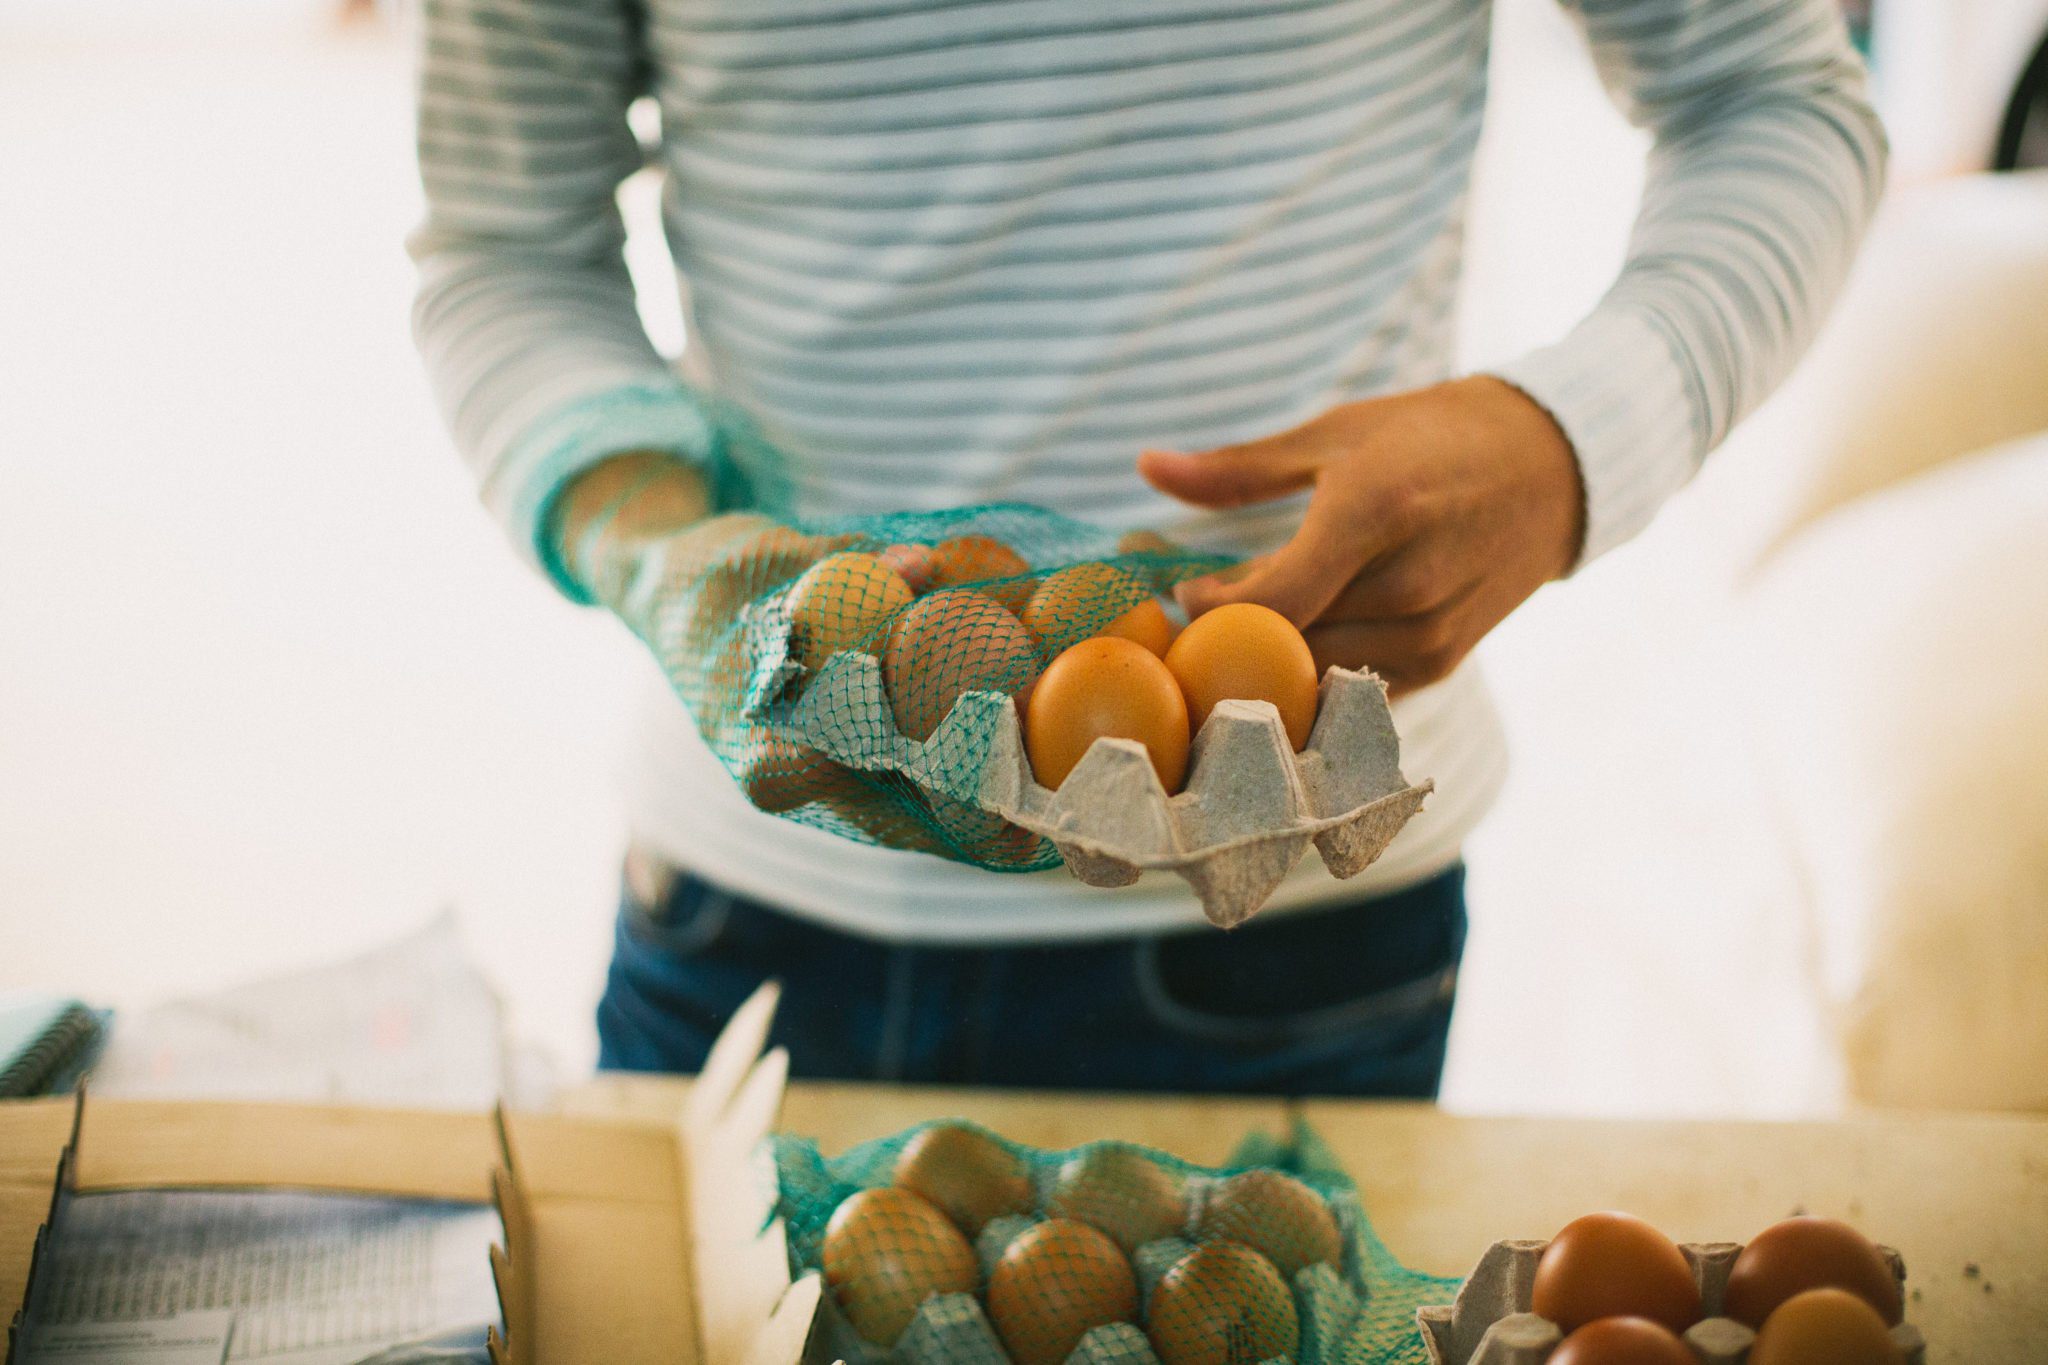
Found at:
<point>1432,515</point>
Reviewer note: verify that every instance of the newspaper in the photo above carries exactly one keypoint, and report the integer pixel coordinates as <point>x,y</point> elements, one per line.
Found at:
<point>271,1277</point>
<point>410,1024</point>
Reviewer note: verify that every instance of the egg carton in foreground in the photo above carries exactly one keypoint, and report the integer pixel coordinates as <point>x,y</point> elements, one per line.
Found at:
<point>1491,1322</point>
<point>1251,809</point>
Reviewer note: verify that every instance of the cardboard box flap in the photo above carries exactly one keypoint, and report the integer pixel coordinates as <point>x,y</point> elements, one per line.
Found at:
<point>651,1240</point>
<point>742,1253</point>
<point>33,1141</point>
<point>168,1144</point>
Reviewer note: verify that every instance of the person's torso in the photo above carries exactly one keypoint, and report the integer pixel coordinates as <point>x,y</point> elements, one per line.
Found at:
<point>947,253</point>
<point>956,252</point>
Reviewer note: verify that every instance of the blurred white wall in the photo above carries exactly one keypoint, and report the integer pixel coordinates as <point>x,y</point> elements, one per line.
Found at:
<point>271,687</point>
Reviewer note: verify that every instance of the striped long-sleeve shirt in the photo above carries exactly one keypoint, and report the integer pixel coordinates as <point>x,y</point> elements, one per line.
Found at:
<point>952,251</point>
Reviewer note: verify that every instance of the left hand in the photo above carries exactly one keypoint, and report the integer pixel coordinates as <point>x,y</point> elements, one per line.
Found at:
<point>1432,515</point>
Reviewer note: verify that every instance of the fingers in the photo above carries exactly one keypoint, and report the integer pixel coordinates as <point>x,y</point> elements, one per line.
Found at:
<point>1408,652</point>
<point>1299,580</point>
<point>1231,476</point>
<point>1409,582</point>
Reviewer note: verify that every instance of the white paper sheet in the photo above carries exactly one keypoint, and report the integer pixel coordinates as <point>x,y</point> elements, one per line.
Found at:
<point>410,1024</point>
<point>302,1279</point>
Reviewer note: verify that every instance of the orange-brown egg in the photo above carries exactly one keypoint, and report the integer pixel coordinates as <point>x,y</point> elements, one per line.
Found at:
<point>1623,1341</point>
<point>967,1174</point>
<point>947,643</point>
<point>912,563</point>
<point>967,560</point>
<point>1121,1192</point>
<point>1058,1281</point>
<point>1245,652</point>
<point>1145,543</point>
<point>1106,688</point>
<point>886,1251</point>
<point>1147,624</point>
<point>1825,1327</point>
<point>844,601</point>
<point>1275,1215</point>
<point>1608,1265</point>
<point>1079,601</point>
<point>780,776</point>
<point>1222,1304</point>
<point>1804,1253</point>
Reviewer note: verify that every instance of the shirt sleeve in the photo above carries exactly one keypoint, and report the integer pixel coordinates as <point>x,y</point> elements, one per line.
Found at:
<point>1766,164</point>
<point>525,313</point>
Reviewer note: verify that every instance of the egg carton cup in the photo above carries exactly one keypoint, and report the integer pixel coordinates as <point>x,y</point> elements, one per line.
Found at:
<point>1490,1323</point>
<point>1251,809</point>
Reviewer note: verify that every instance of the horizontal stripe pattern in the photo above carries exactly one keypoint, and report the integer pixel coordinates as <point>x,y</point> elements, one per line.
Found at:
<point>949,251</point>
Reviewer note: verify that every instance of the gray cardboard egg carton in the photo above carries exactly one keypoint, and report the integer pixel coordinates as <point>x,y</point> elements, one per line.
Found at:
<point>1490,1323</point>
<point>952,1329</point>
<point>1251,809</point>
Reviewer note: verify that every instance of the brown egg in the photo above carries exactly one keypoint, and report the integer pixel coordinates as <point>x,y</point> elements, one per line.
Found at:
<point>1106,688</point>
<point>1146,543</point>
<point>1146,624</point>
<point>912,563</point>
<point>842,602</point>
<point>1623,1341</point>
<point>1607,1265</point>
<point>1058,1281</point>
<point>780,776</point>
<point>967,1174</point>
<point>1222,1304</point>
<point>886,1252</point>
<point>947,643</point>
<point>966,560</point>
<point>1825,1327</point>
<point>1808,1253</point>
<point>1246,652</point>
<point>1277,1216</point>
<point>1078,601</point>
<point>1120,1192</point>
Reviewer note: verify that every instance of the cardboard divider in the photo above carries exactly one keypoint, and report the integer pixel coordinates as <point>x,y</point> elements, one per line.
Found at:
<point>1492,1323</point>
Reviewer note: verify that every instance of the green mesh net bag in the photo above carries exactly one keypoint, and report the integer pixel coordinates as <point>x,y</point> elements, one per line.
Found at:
<point>851,674</point>
<point>950,1244</point>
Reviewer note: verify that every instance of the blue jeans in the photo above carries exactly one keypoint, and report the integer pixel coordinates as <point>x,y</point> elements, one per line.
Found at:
<point>1352,1000</point>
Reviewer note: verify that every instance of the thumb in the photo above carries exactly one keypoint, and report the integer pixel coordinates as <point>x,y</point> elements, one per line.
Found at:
<point>1231,476</point>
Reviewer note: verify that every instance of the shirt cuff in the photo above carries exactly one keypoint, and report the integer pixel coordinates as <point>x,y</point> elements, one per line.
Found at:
<point>667,417</point>
<point>1616,387</point>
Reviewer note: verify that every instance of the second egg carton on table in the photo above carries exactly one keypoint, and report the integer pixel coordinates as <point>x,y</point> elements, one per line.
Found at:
<point>1251,809</point>
<point>1491,1322</point>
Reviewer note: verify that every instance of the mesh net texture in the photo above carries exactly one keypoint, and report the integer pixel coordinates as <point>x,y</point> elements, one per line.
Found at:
<point>850,673</point>
<point>948,1243</point>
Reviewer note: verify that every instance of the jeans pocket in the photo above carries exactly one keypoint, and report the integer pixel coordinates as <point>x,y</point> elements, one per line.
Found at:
<point>689,918</point>
<point>1385,1017</point>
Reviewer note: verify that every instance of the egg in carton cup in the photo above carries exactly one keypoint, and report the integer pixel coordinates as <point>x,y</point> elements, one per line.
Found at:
<point>1251,808</point>
<point>1492,1322</point>
<point>948,1244</point>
